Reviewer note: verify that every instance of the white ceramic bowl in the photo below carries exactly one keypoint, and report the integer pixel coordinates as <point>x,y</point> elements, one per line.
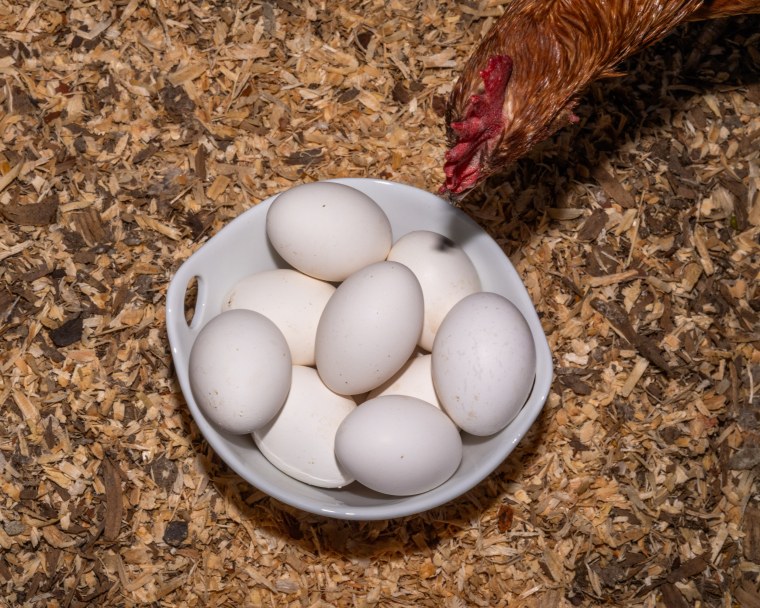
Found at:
<point>241,248</point>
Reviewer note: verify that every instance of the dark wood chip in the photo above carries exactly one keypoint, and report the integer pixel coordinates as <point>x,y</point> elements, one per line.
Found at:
<point>363,38</point>
<point>746,457</point>
<point>175,533</point>
<point>289,7</point>
<point>400,93</point>
<point>177,104</point>
<point>49,435</point>
<point>68,333</point>
<point>305,157</point>
<point>348,95</point>
<point>33,275</point>
<point>751,529</point>
<point>199,163</point>
<point>89,225</point>
<point>505,518</point>
<point>699,118</point>
<point>593,225</point>
<point>602,260</point>
<point>578,386</point>
<point>21,102</point>
<point>688,569</point>
<point>114,501</point>
<point>145,153</point>
<point>613,188</point>
<point>439,105</point>
<point>747,596</point>
<point>672,597</point>
<point>618,318</point>
<point>51,353</point>
<point>43,213</point>
<point>164,472</point>
<point>577,445</point>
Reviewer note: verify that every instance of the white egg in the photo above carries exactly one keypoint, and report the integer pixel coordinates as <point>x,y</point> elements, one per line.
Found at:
<point>414,379</point>
<point>369,328</point>
<point>240,370</point>
<point>398,445</point>
<point>300,440</point>
<point>484,363</point>
<point>444,271</point>
<point>292,300</point>
<point>328,230</point>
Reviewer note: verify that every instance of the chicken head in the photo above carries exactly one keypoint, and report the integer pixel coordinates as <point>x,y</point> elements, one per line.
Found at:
<point>479,130</point>
<point>523,80</point>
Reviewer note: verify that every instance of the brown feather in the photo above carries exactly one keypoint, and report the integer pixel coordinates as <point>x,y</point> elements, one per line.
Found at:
<point>716,9</point>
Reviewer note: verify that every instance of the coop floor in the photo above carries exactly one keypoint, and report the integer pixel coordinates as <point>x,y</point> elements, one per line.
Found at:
<point>131,132</point>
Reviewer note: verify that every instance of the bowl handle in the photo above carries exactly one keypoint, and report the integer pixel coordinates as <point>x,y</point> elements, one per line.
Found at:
<point>180,331</point>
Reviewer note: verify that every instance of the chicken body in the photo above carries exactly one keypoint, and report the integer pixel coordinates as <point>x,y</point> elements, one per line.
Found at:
<point>523,80</point>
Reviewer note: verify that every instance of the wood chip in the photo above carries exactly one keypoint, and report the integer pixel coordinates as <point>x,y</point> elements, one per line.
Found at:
<point>32,214</point>
<point>747,597</point>
<point>612,279</point>
<point>68,333</point>
<point>691,273</point>
<point>218,187</point>
<point>90,226</point>
<point>672,597</point>
<point>28,409</point>
<point>188,73</point>
<point>56,538</point>
<point>9,176</point>
<point>633,378</point>
<point>15,249</point>
<point>751,529</point>
<point>614,188</point>
<point>114,501</point>
<point>564,214</point>
<point>593,225</point>
<point>704,254</point>
<point>688,569</point>
<point>617,316</point>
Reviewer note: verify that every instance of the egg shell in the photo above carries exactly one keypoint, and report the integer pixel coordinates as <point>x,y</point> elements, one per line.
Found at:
<point>240,370</point>
<point>291,299</point>
<point>398,445</point>
<point>445,272</point>
<point>328,230</point>
<point>414,379</point>
<point>300,439</point>
<point>369,328</point>
<point>484,363</point>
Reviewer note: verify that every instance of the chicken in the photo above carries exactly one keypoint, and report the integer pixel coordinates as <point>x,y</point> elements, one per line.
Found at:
<point>524,79</point>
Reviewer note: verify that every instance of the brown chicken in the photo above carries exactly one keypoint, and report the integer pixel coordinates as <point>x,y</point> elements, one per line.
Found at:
<point>524,79</point>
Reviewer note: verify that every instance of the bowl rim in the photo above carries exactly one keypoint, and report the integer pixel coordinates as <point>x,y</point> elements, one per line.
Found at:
<point>181,334</point>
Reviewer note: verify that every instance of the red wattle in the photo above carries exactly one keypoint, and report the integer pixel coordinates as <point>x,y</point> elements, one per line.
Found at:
<point>483,120</point>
